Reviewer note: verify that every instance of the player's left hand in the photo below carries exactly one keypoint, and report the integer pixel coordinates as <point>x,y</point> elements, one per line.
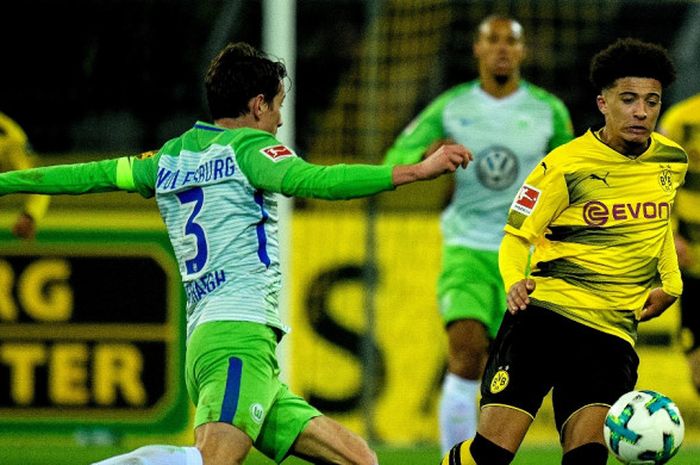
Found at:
<point>657,303</point>
<point>24,227</point>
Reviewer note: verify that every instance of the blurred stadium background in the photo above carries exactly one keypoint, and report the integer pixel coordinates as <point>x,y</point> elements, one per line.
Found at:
<point>88,369</point>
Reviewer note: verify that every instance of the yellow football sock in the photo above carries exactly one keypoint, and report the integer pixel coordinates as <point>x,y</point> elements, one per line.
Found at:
<point>459,455</point>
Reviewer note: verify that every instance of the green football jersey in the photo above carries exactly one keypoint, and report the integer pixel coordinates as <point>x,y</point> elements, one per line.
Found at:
<point>217,192</point>
<point>600,222</point>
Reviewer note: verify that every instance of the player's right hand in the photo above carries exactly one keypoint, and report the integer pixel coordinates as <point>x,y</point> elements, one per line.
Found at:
<point>518,297</point>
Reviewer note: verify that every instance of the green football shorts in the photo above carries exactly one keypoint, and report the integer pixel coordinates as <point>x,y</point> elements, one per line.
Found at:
<point>232,376</point>
<point>470,287</point>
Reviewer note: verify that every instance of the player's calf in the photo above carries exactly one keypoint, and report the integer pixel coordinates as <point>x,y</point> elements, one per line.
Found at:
<point>478,451</point>
<point>592,453</point>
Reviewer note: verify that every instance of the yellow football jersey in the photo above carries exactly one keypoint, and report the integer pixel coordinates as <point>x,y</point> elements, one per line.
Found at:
<point>682,124</point>
<point>14,155</point>
<point>600,223</point>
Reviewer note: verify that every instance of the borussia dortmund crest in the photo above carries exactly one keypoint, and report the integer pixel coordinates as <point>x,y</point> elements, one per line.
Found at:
<point>665,179</point>
<point>499,381</point>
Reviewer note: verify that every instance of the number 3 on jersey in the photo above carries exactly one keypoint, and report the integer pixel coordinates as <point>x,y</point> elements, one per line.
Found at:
<point>196,195</point>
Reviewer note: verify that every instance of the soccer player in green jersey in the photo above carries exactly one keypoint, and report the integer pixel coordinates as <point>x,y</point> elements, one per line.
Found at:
<point>217,187</point>
<point>597,211</point>
<point>681,123</point>
<point>509,124</point>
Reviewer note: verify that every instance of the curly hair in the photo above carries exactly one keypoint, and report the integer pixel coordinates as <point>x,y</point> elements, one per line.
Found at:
<point>631,58</point>
<point>237,74</point>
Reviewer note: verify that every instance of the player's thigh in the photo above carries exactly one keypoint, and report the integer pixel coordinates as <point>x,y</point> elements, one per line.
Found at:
<point>222,444</point>
<point>232,374</point>
<point>596,369</point>
<point>470,287</point>
<point>522,362</point>
<point>284,425</point>
<point>326,441</point>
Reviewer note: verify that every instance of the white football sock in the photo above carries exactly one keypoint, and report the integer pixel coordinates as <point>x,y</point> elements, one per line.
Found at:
<point>457,414</point>
<point>157,455</point>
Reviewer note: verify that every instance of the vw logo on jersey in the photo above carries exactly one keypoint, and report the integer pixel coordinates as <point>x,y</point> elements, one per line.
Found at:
<point>497,167</point>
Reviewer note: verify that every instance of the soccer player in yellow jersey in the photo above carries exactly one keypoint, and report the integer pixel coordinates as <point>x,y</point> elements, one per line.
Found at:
<point>681,122</point>
<point>597,211</point>
<point>14,156</point>
<point>509,124</point>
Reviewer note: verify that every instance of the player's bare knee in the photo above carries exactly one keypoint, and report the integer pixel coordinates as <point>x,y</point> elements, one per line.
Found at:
<point>222,444</point>
<point>468,365</point>
<point>359,453</point>
<point>471,373</point>
<point>220,459</point>
<point>366,456</point>
<point>468,349</point>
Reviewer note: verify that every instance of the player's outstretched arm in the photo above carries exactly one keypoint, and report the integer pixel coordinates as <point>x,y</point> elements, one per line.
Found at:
<point>444,160</point>
<point>78,178</point>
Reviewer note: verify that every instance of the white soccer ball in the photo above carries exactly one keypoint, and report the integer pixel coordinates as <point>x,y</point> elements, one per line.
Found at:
<point>644,428</point>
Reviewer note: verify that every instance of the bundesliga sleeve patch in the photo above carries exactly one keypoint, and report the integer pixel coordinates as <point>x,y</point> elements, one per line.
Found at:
<point>278,152</point>
<point>526,200</point>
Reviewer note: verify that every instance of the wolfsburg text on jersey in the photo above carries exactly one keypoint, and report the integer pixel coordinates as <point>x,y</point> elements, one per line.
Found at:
<point>209,171</point>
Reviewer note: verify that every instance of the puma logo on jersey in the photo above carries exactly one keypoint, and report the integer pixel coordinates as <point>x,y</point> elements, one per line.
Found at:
<point>278,152</point>
<point>598,178</point>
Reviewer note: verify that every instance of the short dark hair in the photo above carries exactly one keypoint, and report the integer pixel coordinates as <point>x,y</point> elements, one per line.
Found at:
<point>631,58</point>
<point>238,73</point>
<point>496,17</point>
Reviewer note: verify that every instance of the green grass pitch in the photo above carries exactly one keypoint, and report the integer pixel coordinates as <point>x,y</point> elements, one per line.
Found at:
<point>530,455</point>
<point>431,456</point>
